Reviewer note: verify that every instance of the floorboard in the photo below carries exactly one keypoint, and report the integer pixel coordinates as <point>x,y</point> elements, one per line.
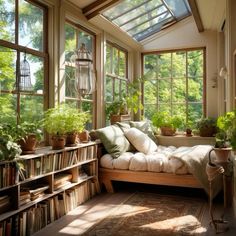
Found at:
<point>85,216</point>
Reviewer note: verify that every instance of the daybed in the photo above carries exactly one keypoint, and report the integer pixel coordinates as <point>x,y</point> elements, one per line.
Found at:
<point>146,162</point>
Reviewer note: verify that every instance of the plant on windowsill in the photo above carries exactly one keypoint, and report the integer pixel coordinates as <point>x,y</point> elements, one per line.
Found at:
<point>54,123</point>
<point>167,124</point>
<point>75,124</point>
<point>207,127</point>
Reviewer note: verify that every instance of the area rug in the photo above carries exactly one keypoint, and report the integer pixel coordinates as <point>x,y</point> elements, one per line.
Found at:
<point>153,214</point>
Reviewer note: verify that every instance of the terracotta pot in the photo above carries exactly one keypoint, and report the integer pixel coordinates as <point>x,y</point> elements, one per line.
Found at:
<point>84,136</point>
<point>58,142</point>
<point>28,144</point>
<point>222,154</point>
<point>71,139</point>
<point>168,131</point>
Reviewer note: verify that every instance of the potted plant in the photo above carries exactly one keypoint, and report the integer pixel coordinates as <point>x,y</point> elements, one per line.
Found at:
<point>226,136</point>
<point>167,124</point>
<point>54,123</point>
<point>28,134</point>
<point>207,127</point>
<point>75,121</point>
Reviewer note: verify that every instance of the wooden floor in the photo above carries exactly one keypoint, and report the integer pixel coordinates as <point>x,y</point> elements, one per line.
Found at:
<point>91,212</point>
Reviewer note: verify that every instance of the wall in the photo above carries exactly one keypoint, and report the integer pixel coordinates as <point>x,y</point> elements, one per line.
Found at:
<point>186,35</point>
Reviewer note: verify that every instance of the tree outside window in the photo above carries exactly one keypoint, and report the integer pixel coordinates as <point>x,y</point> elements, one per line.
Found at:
<point>175,83</point>
<point>22,35</point>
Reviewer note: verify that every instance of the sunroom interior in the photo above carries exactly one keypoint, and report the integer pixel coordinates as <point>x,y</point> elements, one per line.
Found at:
<point>192,42</point>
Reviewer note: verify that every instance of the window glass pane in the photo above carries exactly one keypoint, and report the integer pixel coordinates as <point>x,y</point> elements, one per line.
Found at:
<point>179,89</point>
<point>70,44</point>
<point>178,7</point>
<point>149,111</point>
<point>115,65</point>
<point>30,26</point>
<point>195,111</point>
<point>7,20</point>
<point>70,82</point>
<point>87,107</point>
<point>26,104</point>
<point>122,64</point>
<point>7,69</point>
<point>179,110</point>
<point>164,64</point>
<point>71,103</point>
<point>179,64</point>
<point>150,95</point>
<point>108,59</point>
<point>195,63</point>
<point>150,66</point>
<point>195,89</point>
<point>117,89</point>
<point>164,90</point>
<point>109,90</point>
<point>36,80</point>
<point>8,108</point>
<point>123,88</point>
<point>87,39</point>
<point>164,107</point>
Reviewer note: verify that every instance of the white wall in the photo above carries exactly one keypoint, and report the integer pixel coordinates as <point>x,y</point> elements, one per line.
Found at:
<point>185,35</point>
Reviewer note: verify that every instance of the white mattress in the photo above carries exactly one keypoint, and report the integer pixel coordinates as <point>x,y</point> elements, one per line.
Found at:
<point>159,161</point>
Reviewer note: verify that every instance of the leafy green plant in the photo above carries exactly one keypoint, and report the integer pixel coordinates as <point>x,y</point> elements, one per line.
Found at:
<point>163,119</point>
<point>75,120</point>
<point>226,135</point>
<point>207,126</point>
<point>54,121</point>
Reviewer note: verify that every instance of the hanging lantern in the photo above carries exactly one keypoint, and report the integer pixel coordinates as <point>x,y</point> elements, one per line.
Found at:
<point>84,74</point>
<point>25,78</point>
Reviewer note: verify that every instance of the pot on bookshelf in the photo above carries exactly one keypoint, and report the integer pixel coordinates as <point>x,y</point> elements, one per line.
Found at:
<point>84,136</point>
<point>28,144</point>
<point>71,139</point>
<point>58,142</point>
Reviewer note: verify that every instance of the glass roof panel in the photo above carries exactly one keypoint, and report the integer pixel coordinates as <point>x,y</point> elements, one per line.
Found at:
<point>141,18</point>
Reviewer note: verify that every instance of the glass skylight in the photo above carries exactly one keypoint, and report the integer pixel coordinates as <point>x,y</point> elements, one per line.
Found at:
<point>142,18</point>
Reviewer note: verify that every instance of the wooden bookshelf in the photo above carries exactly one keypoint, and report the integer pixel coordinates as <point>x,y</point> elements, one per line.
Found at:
<point>37,189</point>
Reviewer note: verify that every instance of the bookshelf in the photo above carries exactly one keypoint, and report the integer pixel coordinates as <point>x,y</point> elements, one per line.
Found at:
<point>37,189</point>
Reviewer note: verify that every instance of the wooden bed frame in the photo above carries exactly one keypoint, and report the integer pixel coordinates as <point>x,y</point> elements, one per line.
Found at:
<point>106,176</point>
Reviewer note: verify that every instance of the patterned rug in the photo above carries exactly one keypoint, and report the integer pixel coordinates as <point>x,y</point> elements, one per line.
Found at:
<point>153,214</point>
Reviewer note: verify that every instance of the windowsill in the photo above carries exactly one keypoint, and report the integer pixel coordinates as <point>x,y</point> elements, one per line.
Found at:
<point>183,140</point>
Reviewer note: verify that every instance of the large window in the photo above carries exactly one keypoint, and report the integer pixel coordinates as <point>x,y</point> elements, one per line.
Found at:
<point>23,61</point>
<point>175,83</point>
<point>75,37</point>
<point>116,73</point>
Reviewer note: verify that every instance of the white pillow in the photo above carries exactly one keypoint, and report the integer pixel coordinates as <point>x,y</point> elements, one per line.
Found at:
<point>140,141</point>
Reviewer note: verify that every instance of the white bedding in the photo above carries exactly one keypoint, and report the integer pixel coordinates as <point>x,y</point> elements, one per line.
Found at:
<point>160,161</point>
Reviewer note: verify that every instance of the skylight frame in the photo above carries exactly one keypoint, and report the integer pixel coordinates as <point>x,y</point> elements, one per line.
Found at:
<point>151,14</point>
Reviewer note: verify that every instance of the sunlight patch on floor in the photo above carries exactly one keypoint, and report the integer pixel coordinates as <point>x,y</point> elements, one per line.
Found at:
<point>182,223</point>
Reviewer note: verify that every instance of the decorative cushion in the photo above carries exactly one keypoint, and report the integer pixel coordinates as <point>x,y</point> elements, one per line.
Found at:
<point>145,127</point>
<point>113,140</point>
<point>140,141</point>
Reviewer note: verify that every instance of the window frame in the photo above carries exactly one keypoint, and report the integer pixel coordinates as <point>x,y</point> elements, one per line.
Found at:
<point>78,99</point>
<point>24,49</point>
<point>171,78</point>
<point>114,77</point>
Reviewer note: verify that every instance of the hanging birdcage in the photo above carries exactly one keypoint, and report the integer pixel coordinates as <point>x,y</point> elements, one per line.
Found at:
<point>25,77</point>
<point>84,74</point>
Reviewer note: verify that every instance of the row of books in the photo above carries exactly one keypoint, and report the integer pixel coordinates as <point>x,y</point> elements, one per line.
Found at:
<point>56,161</point>
<point>35,218</point>
<point>5,204</point>
<point>8,174</point>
